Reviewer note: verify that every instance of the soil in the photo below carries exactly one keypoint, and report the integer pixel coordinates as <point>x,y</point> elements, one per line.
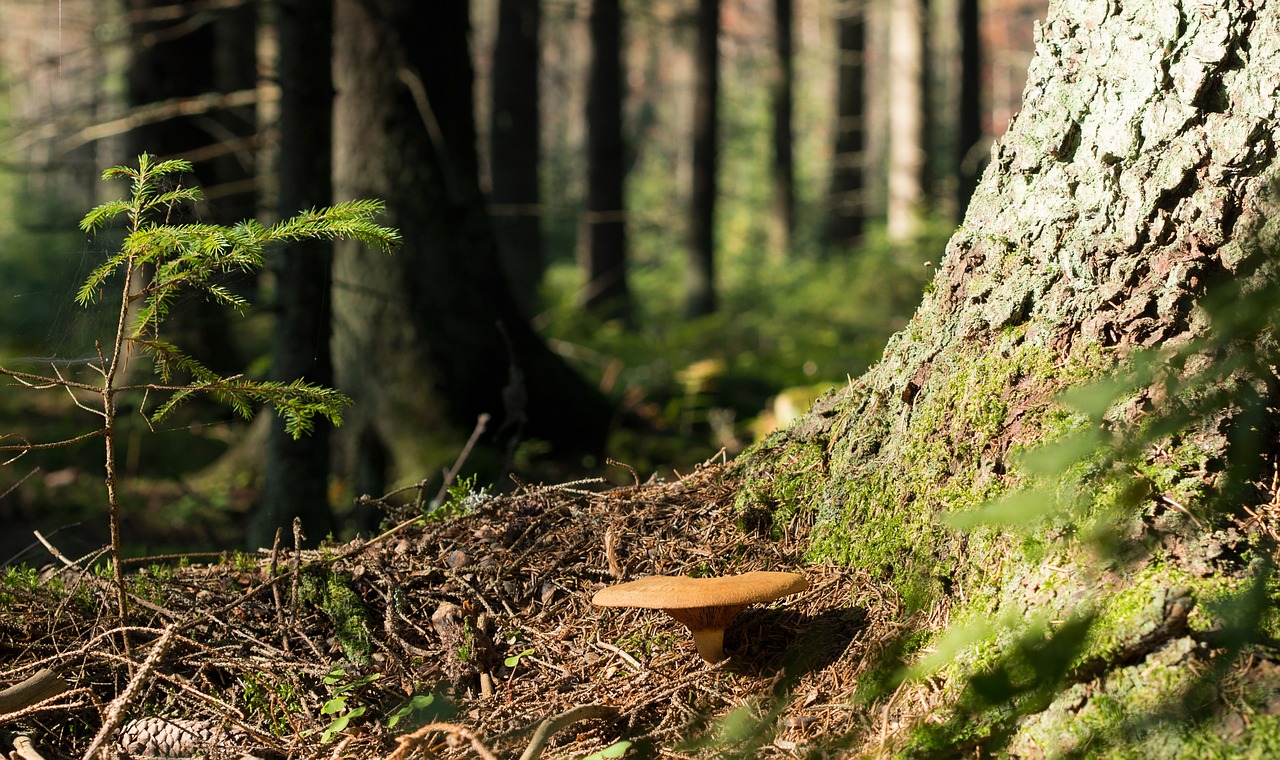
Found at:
<point>484,617</point>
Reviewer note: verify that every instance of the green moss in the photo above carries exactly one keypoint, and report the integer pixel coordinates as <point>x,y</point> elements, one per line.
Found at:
<point>1130,706</point>
<point>948,455</point>
<point>793,481</point>
<point>332,593</point>
<point>1137,609</point>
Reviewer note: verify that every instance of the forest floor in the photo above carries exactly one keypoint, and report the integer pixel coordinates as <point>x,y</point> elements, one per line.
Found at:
<point>458,636</point>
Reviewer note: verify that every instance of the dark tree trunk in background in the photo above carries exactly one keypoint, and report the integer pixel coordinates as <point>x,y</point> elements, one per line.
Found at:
<point>700,290</point>
<point>188,56</point>
<point>972,148</point>
<point>846,194</point>
<point>232,188</point>
<point>907,124</point>
<point>429,338</point>
<point>784,203</point>
<point>296,482</point>
<point>514,135</point>
<point>603,236</point>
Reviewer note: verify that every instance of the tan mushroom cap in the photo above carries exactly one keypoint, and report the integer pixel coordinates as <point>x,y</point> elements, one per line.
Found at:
<point>705,606</point>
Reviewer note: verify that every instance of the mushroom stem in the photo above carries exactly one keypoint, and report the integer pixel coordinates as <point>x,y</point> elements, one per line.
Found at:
<point>710,643</point>
<point>707,625</point>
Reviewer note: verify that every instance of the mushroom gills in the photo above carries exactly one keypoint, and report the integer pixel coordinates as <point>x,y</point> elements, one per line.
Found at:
<point>707,625</point>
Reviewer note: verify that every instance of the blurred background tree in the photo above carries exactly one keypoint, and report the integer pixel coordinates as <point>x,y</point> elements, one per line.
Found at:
<point>502,159</point>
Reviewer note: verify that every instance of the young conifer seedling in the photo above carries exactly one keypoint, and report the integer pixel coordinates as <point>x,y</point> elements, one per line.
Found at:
<point>157,261</point>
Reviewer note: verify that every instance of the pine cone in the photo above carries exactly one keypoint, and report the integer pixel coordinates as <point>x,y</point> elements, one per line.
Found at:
<point>165,737</point>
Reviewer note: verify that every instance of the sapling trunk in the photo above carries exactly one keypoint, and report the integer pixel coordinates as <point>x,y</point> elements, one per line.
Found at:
<point>110,371</point>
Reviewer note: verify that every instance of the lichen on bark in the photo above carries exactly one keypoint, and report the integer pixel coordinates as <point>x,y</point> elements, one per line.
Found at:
<point>1131,181</point>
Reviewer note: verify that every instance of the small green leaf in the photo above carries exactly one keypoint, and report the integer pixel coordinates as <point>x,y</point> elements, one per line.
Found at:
<point>1015,509</point>
<point>419,702</point>
<point>334,676</point>
<point>338,724</point>
<point>514,659</point>
<point>337,704</point>
<point>615,750</point>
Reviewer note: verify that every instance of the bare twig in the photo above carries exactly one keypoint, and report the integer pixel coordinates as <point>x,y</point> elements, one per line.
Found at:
<point>481,423</point>
<point>25,447</point>
<point>67,386</point>
<point>53,550</point>
<point>21,480</point>
<point>548,728</point>
<point>25,749</point>
<point>275,587</point>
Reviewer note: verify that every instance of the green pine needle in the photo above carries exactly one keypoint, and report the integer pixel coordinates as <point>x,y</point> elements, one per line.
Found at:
<point>191,258</point>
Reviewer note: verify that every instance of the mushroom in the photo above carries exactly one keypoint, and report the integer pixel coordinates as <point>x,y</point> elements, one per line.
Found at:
<point>705,606</point>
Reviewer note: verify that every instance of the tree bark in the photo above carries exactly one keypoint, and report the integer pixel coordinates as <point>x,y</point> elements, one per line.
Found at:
<point>514,148</point>
<point>784,202</point>
<point>603,235</point>
<point>1136,172</point>
<point>296,481</point>
<point>700,287</point>
<point>429,338</point>
<point>846,193</point>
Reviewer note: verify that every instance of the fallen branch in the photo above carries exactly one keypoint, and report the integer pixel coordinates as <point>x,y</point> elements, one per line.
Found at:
<point>24,749</point>
<point>44,684</point>
<point>116,710</point>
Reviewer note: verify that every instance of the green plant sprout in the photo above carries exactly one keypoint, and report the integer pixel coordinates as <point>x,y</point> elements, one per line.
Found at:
<point>417,703</point>
<point>513,662</point>
<point>158,260</point>
<point>617,749</point>
<point>461,498</point>
<point>337,704</point>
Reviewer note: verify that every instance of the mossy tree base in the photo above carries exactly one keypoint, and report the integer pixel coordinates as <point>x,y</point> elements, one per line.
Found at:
<point>1139,162</point>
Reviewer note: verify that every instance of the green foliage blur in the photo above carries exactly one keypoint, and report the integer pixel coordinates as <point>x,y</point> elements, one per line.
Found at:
<point>814,321</point>
<point>810,319</point>
<point>43,259</point>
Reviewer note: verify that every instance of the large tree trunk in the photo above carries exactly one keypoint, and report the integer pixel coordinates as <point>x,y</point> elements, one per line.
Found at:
<point>603,232</point>
<point>700,285</point>
<point>514,148</point>
<point>296,481</point>
<point>429,338</point>
<point>1145,142</point>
